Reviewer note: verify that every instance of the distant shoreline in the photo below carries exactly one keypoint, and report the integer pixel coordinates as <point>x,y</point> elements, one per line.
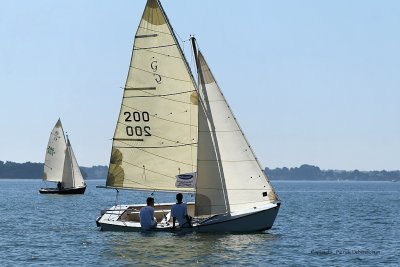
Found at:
<point>273,180</point>
<point>32,170</point>
<point>313,173</point>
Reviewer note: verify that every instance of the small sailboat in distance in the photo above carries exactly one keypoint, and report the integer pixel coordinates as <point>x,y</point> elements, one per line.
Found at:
<point>60,165</point>
<point>176,135</point>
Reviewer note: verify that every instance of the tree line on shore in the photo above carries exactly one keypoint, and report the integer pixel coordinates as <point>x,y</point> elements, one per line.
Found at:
<point>314,173</point>
<point>33,170</point>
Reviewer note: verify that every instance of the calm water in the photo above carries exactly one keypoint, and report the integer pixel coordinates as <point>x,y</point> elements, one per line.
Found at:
<point>319,223</point>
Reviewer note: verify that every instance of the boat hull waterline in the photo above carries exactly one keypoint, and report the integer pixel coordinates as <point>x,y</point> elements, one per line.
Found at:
<point>65,191</point>
<point>260,219</point>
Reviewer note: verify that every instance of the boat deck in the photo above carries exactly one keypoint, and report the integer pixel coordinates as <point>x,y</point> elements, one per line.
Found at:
<point>129,214</point>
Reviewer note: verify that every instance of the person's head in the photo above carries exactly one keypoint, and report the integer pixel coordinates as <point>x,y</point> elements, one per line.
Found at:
<point>150,201</point>
<point>179,197</point>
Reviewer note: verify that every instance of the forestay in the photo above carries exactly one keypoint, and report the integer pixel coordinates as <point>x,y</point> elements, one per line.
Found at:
<point>230,178</point>
<point>156,134</point>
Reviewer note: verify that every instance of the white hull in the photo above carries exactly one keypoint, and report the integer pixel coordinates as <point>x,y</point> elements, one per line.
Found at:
<point>259,219</point>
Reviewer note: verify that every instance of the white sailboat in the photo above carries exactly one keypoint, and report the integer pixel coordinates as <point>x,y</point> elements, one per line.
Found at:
<point>60,165</point>
<point>172,134</point>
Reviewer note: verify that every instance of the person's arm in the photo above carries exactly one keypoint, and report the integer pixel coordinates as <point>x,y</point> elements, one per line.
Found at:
<point>173,215</point>
<point>188,220</point>
<point>153,219</point>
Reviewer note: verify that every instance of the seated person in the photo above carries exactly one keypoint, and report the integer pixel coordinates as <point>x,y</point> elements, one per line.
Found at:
<point>59,186</point>
<point>147,215</point>
<point>179,212</point>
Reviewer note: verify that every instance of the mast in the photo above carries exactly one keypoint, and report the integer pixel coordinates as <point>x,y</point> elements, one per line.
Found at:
<point>195,52</point>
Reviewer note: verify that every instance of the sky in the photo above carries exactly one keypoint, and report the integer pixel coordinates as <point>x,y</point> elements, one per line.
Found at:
<point>310,82</point>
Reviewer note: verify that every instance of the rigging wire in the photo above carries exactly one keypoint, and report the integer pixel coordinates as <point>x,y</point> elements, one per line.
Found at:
<point>182,41</point>
<point>116,203</point>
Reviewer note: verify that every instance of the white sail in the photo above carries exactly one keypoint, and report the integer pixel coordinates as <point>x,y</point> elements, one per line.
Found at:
<point>55,154</point>
<point>72,176</point>
<point>68,173</point>
<point>229,175</point>
<point>156,134</point>
<point>210,189</point>
<point>78,178</point>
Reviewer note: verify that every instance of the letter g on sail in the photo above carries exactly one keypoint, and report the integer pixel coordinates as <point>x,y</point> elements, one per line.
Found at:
<point>154,65</point>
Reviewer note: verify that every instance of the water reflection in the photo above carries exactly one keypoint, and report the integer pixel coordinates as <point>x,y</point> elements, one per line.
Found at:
<point>193,248</point>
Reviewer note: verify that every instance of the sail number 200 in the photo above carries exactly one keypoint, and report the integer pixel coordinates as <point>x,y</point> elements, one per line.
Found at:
<point>137,117</point>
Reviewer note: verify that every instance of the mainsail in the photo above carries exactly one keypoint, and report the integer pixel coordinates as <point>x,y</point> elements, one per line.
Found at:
<point>156,134</point>
<point>55,154</point>
<point>229,176</point>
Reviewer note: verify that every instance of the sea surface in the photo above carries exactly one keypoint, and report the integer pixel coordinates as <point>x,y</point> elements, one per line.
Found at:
<point>319,224</point>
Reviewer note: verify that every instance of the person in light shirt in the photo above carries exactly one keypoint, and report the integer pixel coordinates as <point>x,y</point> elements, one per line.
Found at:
<point>179,212</point>
<point>147,215</point>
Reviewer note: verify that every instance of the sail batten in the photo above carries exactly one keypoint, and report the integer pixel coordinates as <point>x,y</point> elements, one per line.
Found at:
<point>146,35</point>
<point>140,88</point>
<point>152,47</point>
